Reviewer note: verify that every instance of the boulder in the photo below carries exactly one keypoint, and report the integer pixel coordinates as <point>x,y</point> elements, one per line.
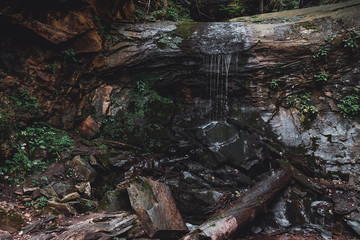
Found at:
<point>153,203</point>
<point>82,171</point>
<point>10,220</point>
<point>48,191</point>
<point>83,205</point>
<point>84,188</point>
<point>101,100</point>
<point>116,200</point>
<point>63,208</point>
<point>62,188</point>
<point>89,128</point>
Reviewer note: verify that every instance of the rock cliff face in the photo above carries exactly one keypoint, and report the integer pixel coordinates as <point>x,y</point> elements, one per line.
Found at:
<point>257,64</point>
<point>217,69</point>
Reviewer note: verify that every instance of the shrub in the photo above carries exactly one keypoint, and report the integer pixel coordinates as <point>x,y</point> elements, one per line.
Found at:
<point>39,137</point>
<point>25,103</point>
<point>234,9</point>
<point>43,136</point>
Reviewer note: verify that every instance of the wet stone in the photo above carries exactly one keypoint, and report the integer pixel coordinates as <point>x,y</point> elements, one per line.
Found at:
<point>153,203</point>
<point>81,170</point>
<point>49,192</point>
<point>344,206</point>
<point>10,221</point>
<point>84,188</point>
<point>62,188</point>
<point>5,236</point>
<point>113,201</point>
<point>101,100</point>
<point>227,172</point>
<point>89,128</point>
<point>63,208</point>
<point>195,167</point>
<point>193,180</point>
<point>353,220</point>
<point>71,196</point>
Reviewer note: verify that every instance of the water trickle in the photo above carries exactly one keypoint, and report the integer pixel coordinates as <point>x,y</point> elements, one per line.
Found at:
<point>218,68</point>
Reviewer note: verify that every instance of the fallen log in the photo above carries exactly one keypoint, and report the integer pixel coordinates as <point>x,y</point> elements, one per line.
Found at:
<point>299,177</point>
<point>240,213</point>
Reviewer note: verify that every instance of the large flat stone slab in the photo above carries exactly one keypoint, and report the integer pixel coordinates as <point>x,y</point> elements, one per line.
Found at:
<point>153,203</point>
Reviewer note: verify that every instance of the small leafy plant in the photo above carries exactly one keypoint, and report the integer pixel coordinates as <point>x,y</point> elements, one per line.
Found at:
<point>302,102</point>
<point>70,56</point>
<point>102,29</point>
<point>349,106</point>
<point>330,37</point>
<point>42,201</point>
<point>321,77</point>
<point>353,40</point>
<point>323,51</point>
<point>273,84</point>
<point>234,9</point>
<point>51,67</point>
<point>36,182</point>
<point>25,102</point>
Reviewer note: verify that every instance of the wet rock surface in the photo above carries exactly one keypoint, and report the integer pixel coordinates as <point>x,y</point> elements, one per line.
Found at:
<point>153,203</point>
<point>113,201</point>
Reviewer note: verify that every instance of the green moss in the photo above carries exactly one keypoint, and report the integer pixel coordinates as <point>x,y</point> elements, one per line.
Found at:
<point>10,219</point>
<point>310,26</point>
<point>52,227</point>
<point>145,186</point>
<point>185,30</point>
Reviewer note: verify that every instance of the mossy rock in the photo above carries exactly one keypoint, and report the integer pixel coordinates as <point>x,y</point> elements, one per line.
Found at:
<point>116,200</point>
<point>10,221</point>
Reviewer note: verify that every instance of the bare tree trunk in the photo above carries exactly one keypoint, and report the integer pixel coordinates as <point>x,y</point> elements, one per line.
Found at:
<point>301,3</point>
<point>261,6</point>
<point>165,6</point>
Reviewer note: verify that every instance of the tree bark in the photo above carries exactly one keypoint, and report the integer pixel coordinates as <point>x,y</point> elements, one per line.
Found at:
<point>239,214</point>
<point>301,3</point>
<point>261,6</point>
<point>165,6</point>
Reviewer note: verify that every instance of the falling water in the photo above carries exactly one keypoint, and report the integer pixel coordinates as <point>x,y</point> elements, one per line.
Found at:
<point>218,70</point>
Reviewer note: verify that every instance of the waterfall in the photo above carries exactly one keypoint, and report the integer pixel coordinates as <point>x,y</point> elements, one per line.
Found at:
<point>218,68</point>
